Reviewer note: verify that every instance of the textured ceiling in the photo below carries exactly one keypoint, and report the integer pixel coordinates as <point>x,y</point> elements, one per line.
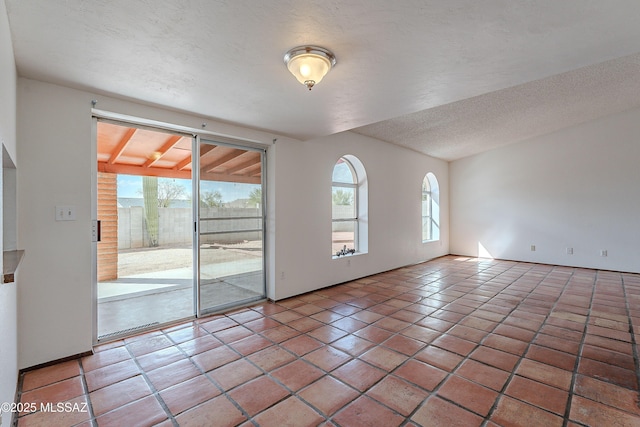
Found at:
<point>511,115</point>
<point>446,78</point>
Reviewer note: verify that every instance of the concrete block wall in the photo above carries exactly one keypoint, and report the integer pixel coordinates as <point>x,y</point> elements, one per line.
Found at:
<point>176,226</point>
<point>131,230</point>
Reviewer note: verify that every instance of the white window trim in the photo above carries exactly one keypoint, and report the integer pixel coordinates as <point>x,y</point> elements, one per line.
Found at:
<point>433,223</point>
<point>361,205</point>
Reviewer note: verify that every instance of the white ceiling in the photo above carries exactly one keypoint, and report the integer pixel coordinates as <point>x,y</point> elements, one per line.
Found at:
<point>446,78</point>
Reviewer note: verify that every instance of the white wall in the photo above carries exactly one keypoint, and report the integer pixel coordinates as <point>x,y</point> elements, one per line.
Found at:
<point>55,148</point>
<point>54,139</point>
<point>8,297</point>
<point>574,188</point>
<point>303,203</point>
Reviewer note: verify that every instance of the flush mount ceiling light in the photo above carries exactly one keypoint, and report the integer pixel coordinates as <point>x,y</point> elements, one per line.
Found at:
<point>309,64</point>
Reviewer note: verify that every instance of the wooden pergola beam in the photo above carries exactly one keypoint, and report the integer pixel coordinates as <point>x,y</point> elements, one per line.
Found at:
<point>183,164</point>
<point>204,149</point>
<point>168,145</point>
<point>222,160</point>
<point>143,171</point>
<point>122,144</point>
<point>244,165</point>
<point>255,170</point>
<point>172,173</point>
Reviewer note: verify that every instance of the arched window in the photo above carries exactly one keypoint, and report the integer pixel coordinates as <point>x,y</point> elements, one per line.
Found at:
<point>348,207</point>
<point>430,208</point>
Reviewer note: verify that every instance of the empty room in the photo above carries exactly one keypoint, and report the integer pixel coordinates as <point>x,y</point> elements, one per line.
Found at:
<point>337,213</point>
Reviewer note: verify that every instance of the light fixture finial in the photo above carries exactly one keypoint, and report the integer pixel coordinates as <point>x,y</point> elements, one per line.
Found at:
<point>309,64</point>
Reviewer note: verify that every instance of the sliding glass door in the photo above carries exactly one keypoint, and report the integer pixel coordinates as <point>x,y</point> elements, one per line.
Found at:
<point>230,228</point>
<point>178,227</point>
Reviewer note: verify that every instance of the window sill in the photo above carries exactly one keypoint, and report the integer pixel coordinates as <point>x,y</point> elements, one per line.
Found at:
<point>10,262</point>
<point>348,256</point>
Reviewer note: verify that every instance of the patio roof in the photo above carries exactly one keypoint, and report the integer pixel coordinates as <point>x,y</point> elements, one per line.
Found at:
<point>144,152</point>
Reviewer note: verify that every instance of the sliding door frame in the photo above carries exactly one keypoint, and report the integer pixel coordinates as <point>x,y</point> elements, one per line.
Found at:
<point>197,136</point>
<point>195,167</point>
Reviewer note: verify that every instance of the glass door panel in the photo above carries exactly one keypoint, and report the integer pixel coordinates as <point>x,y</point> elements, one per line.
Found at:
<point>145,252</point>
<point>230,226</point>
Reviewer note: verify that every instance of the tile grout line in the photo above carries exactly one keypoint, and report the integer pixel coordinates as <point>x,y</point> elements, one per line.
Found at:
<point>205,374</point>
<point>380,344</point>
<point>268,374</point>
<point>574,374</point>
<point>276,380</point>
<point>154,392</point>
<point>360,394</point>
<point>250,418</point>
<point>364,393</point>
<point>213,381</point>
<point>328,373</point>
<point>512,374</point>
<point>478,345</point>
<point>634,343</point>
<point>375,344</point>
<point>19,392</point>
<point>351,357</point>
<point>15,418</point>
<point>412,357</point>
<point>85,389</point>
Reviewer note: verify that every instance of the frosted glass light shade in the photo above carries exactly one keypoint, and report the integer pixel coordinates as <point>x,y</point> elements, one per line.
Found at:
<point>309,64</point>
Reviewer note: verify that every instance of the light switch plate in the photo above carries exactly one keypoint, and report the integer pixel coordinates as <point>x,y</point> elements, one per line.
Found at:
<point>65,213</point>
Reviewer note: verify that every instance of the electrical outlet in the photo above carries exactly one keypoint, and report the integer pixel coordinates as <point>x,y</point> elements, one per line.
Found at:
<point>603,252</point>
<point>569,251</point>
<point>282,275</point>
<point>533,248</point>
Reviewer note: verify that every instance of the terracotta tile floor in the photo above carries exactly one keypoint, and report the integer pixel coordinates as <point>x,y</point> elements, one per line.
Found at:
<point>451,342</point>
